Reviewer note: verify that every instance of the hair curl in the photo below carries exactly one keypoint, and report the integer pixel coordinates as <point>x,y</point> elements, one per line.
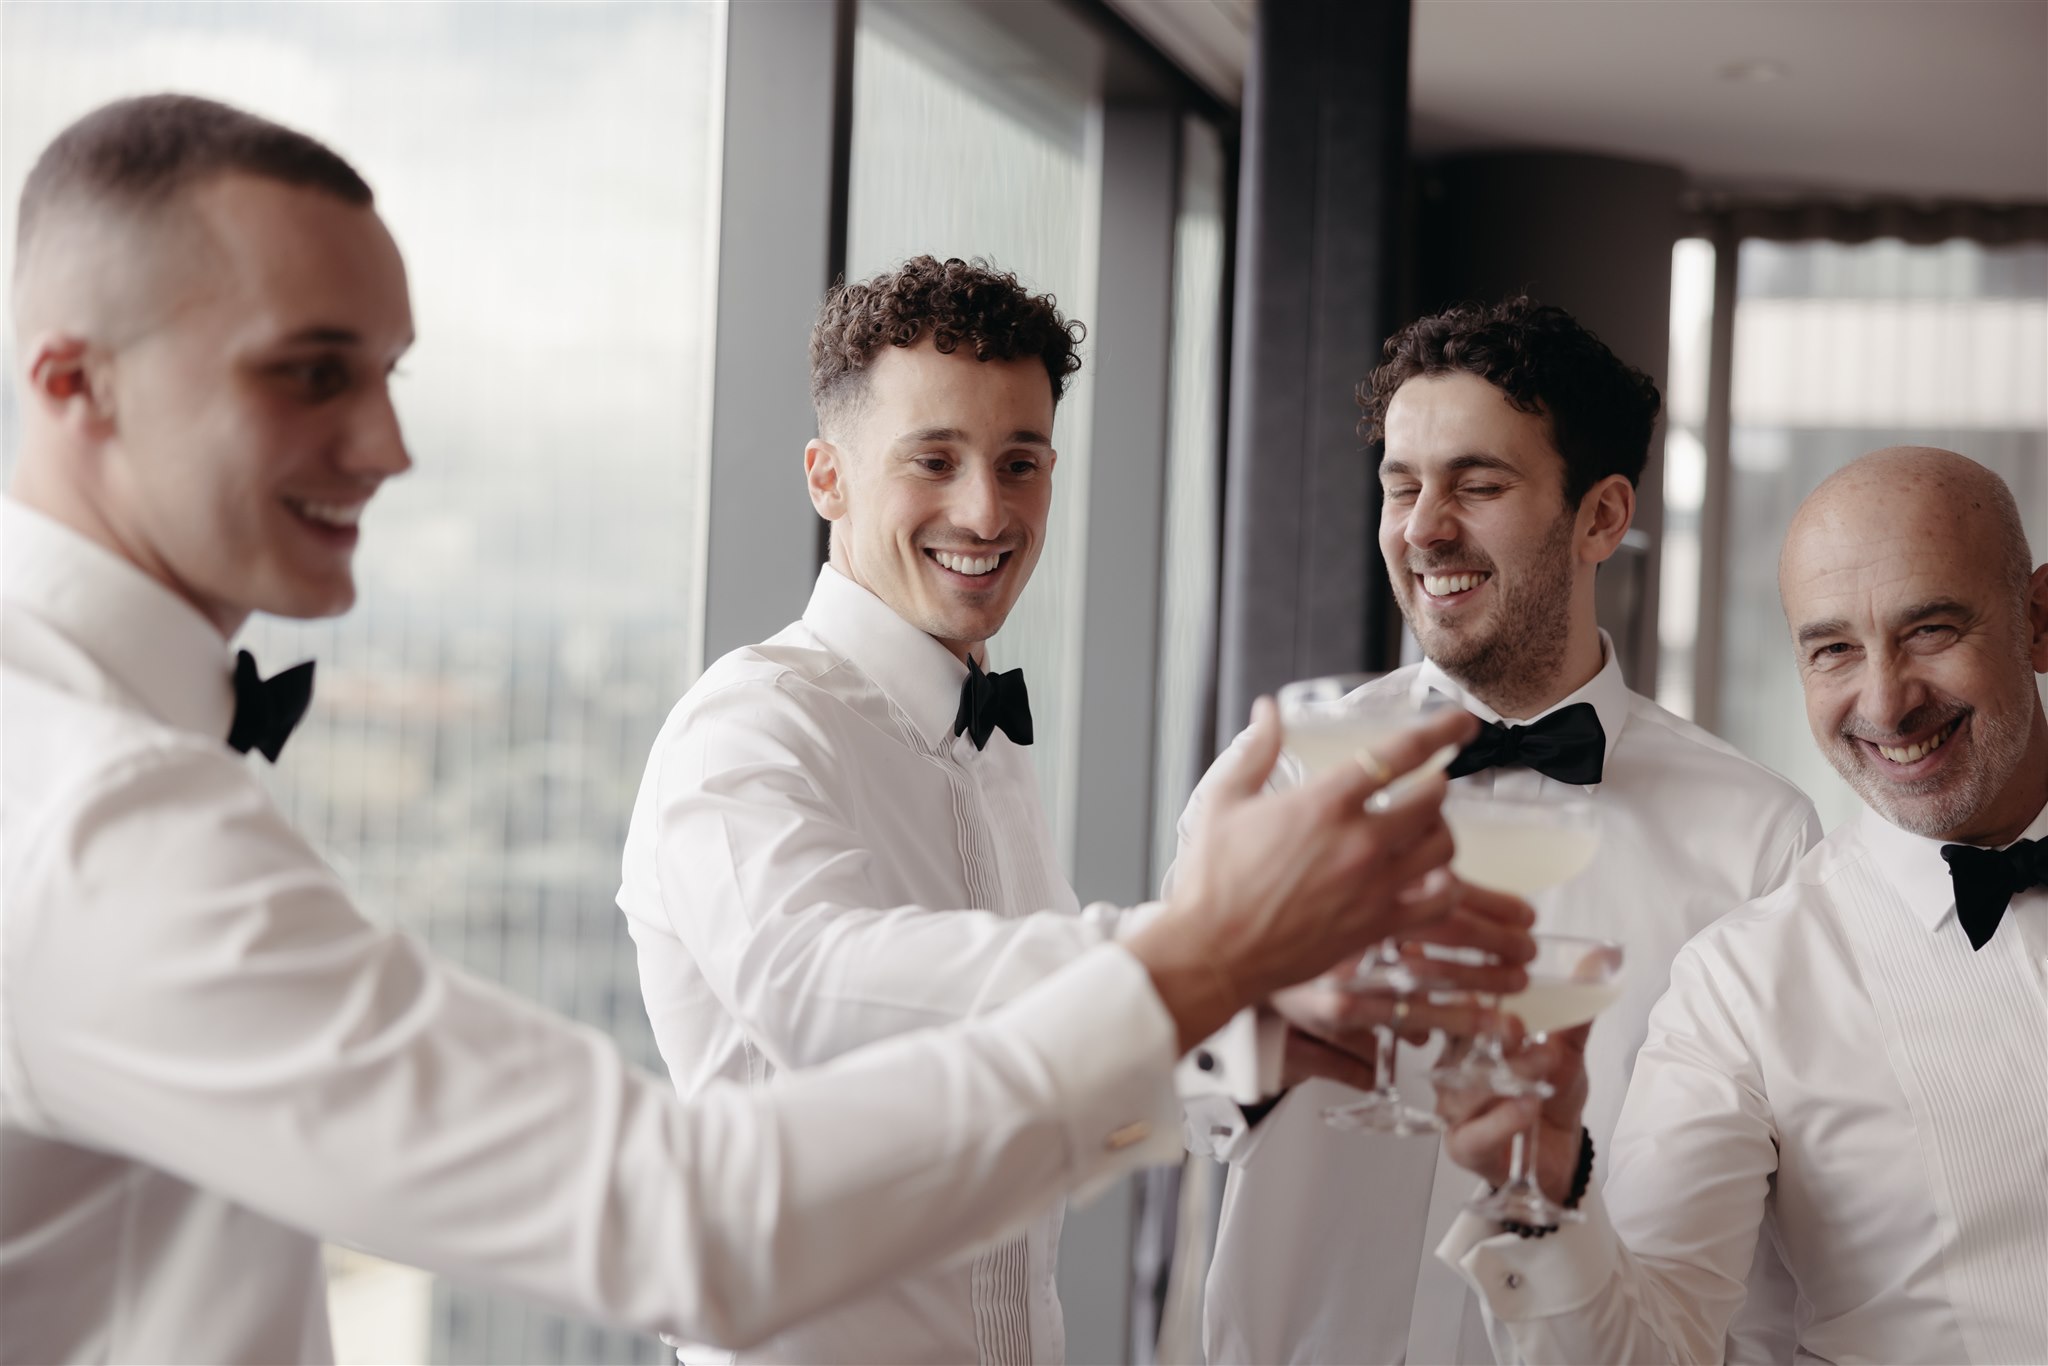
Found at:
<point>953,302</point>
<point>1601,410</point>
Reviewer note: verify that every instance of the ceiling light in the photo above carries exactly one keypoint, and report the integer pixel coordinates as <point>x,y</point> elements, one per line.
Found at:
<point>1755,72</point>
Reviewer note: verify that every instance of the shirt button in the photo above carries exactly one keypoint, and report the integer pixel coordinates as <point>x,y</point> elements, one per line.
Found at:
<point>1136,1132</point>
<point>1205,1060</point>
<point>1514,1280</point>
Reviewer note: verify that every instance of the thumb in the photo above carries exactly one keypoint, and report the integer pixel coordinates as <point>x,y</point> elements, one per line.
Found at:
<point>1253,756</point>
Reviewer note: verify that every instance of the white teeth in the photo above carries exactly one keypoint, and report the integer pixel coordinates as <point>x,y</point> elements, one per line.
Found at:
<point>333,514</point>
<point>1913,754</point>
<point>1443,585</point>
<point>967,564</point>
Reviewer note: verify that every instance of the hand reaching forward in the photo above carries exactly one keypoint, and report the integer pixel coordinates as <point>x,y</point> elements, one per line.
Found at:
<point>1281,886</point>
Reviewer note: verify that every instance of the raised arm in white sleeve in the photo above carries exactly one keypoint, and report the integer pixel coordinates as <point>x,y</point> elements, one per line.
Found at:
<point>1656,1272</point>
<point>189,987</point>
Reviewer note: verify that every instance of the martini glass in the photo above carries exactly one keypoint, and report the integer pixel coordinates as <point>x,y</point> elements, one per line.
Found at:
<point>1330,721</point>
<point>1571,980</point>
<point>1521,847</point>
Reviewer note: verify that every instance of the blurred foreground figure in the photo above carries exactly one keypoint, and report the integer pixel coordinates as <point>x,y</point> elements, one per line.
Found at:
<point>209,1060</point>
<point>1861,1056</point>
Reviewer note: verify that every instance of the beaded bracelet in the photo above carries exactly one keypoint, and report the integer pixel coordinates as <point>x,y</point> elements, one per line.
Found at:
<point>1582,1177</point>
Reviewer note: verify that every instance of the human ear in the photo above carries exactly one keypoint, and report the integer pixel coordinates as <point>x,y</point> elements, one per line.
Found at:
<point>2037,619</point>
<point>1604,517</point>
<point>825,477</point>
<point>68,382</point>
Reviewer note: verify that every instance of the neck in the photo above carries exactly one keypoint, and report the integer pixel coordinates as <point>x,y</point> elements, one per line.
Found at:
<point>64,502</point>
<point>1520,696</point>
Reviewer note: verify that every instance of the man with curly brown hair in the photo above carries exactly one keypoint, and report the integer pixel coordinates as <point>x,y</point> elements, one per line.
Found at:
<point>1514,439</point>
<point>818,805</point>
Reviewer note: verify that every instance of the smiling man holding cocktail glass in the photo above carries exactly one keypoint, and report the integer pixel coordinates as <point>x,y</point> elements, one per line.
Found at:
<point>1513,442</point>
<point>1861,1057</point>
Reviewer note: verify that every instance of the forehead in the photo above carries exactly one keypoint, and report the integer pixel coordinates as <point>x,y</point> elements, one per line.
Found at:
<point>1434,419</point>
<point>922,386</point>
<point>276,257</point>
<point>1862,563</point>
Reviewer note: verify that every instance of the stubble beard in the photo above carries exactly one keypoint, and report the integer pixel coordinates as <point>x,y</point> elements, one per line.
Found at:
<point>1512,662</point>
<point>1948,801</point>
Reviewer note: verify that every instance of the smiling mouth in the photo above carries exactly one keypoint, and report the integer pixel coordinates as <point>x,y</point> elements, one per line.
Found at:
<point>1905,755</point>
<point>335,516</point>
<point>1451,585</point>
<point>969,566</point>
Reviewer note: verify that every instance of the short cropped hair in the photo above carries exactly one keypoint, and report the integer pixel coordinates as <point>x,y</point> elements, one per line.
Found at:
<point>955,303</point>
<point>137,154</point>
<point>1601,410</point>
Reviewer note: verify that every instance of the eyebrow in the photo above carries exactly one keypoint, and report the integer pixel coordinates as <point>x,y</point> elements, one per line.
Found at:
<point>1473,461</point>
<point>1933,607</point>
<point>1023,436</point>
<point>320,335</point>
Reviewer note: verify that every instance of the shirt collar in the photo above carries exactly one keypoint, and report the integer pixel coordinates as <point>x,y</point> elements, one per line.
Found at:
<point>153,645</point>
<point>1914,867</point>
<point>917,673</point>
<point>1606,690</point>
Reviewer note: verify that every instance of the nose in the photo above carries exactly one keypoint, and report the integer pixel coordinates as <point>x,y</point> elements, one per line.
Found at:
<point>1430,521</point>
<point>1890,693</point>
<point>375,445</point>
<point>977,503</point>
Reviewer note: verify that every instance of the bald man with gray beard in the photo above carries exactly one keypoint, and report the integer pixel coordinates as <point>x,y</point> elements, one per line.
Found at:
<point>1862,1054</point>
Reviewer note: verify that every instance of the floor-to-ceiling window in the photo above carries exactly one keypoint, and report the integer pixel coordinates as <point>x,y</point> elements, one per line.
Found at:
<point>970,139</point>
<point>528,593</point>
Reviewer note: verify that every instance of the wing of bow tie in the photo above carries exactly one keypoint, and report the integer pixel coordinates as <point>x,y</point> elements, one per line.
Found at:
<point>991,700</point>
<point>1569,745</point>
<point>266,710</point>
<point>1986,881</point>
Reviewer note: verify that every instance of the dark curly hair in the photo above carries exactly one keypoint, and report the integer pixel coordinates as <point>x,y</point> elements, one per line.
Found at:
<point>1544,361</point>
<point>953,302</point>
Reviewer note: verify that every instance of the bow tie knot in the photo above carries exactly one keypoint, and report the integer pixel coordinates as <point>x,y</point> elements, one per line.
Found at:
<point>1569,746</point>
<point>989,701</point>
<point>1986,881</point>
<point>266,710</point>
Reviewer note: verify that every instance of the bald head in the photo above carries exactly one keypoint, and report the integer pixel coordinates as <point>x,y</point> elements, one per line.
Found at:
<point>1919,624</point>
<point>1924,489</point>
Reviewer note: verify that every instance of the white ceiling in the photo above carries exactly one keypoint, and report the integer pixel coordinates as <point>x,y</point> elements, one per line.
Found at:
<point>1918,98</point>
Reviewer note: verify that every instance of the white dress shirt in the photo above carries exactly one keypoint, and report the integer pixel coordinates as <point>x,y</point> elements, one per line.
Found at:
<point>1836,1059</point>
<point>806,826</point>
<point>1323,1250</point>
<point>209,1060</point>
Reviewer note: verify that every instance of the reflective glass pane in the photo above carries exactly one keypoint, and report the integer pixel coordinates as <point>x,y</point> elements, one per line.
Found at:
<point>972,138</point>
<point>1194,473</point>
<point>1840,350</point>
<point>530,592</point>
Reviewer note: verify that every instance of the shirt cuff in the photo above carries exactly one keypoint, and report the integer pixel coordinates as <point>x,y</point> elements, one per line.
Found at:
<point>1107,1040</point>
<point>1236,1066</point>
<point>1519,1278</point>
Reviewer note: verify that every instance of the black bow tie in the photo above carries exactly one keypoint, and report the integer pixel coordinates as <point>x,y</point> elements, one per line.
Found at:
<point>991,700</point>
<point>1988,879</point>
<point>1568,745</point>
<point>267,709</point>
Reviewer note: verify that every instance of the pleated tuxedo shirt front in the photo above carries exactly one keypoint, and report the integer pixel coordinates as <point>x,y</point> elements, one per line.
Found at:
<point>1834,1057</point>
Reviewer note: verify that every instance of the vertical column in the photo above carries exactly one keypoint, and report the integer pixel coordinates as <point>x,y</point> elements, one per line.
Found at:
<point>781,237</point>
<point>1130,350</point>
<point>1324,156</point>
<point>1592,234</point>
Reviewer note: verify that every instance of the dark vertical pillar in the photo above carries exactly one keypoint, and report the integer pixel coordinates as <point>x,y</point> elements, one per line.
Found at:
<point>1592,234</point>
<point>1324,154</point>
